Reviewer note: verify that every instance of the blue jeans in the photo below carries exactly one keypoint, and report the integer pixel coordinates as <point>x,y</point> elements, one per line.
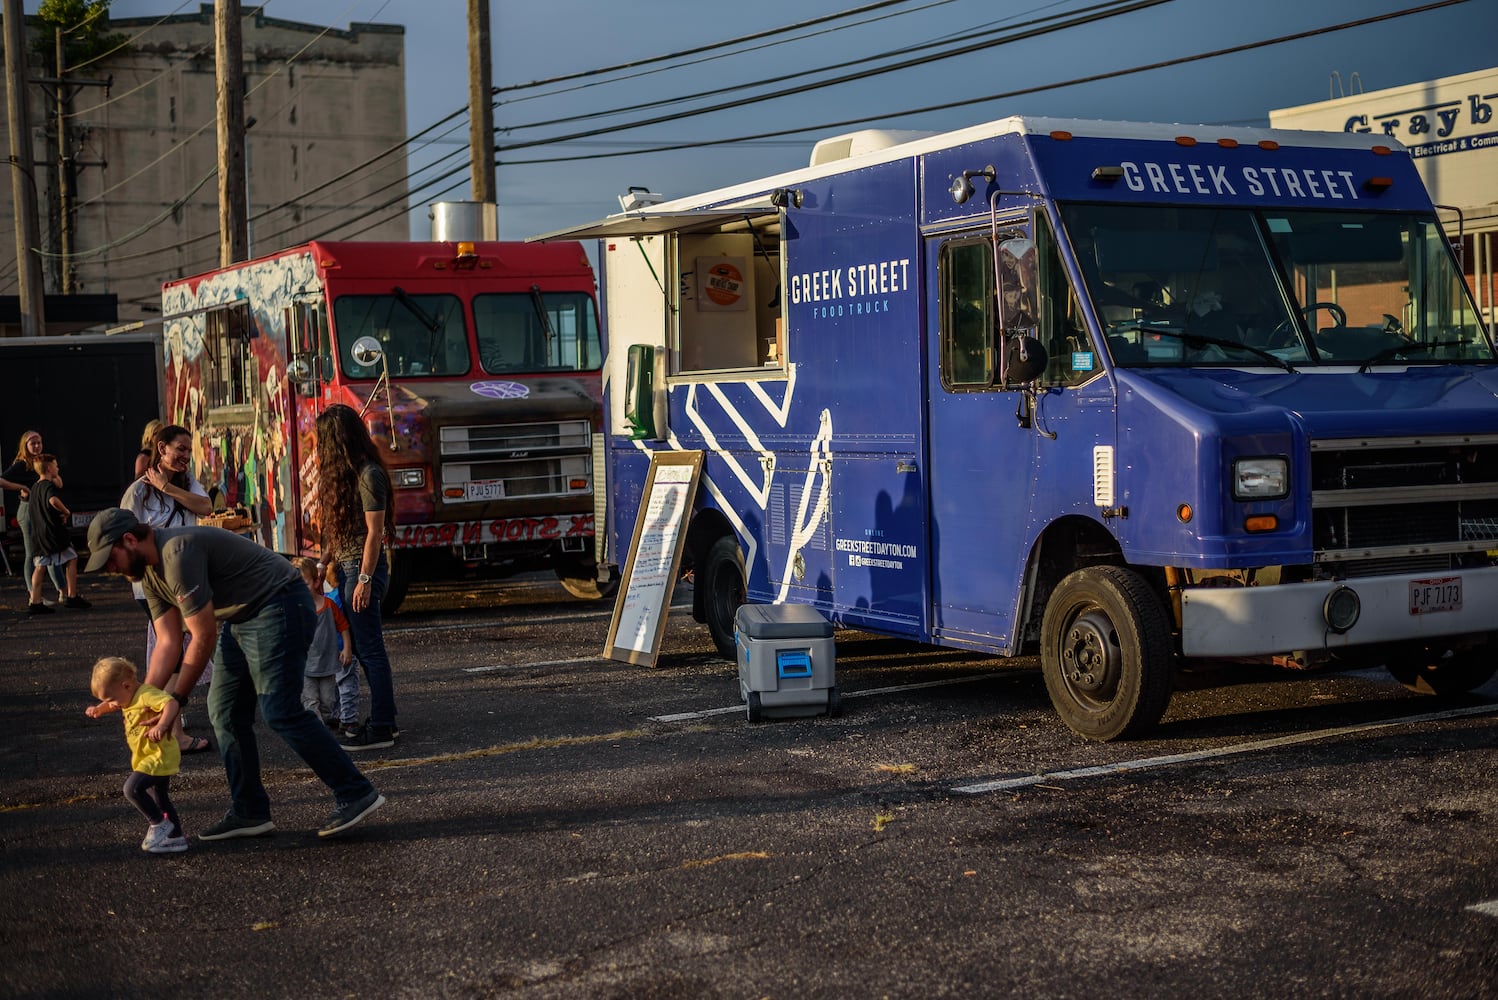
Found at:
<point>260,661</point>
<point>368,631</point>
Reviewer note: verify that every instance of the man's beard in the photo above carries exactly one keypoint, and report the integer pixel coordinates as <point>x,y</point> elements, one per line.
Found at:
<point>135,567</point>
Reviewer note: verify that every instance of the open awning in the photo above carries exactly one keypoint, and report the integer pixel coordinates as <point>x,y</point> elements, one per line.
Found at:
<point>654,223</point>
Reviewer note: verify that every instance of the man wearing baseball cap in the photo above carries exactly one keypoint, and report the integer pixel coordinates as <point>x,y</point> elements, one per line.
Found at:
<point>252,604</point>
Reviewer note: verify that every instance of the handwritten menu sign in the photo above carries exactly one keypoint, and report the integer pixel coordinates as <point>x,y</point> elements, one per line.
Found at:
<point>654,557</point>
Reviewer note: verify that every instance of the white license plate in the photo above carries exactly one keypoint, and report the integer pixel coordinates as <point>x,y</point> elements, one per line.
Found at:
<point>81,520</point>
<point>486,489</point>
<point>1440,594</point>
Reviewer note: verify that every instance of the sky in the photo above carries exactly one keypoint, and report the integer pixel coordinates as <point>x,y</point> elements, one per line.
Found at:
<point>553,185</point>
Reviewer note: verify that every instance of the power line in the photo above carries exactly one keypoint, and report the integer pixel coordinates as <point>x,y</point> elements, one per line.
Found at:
<point>1076,81</point>
<point>1113,8</point>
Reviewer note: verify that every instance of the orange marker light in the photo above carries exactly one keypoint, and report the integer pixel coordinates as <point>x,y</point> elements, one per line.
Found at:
<point>1061,136</point>
<point>1184,513</point>
<point>1268,144</point>
<point>1261,522</point>
<point>1185,140</point>
<point>1228,143</point>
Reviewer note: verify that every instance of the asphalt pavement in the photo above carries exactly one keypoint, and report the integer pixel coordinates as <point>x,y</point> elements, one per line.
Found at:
<point>562,825</point>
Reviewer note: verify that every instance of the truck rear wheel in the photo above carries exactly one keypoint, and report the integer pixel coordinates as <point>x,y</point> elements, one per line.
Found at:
<point>1106,653</point>
<point>580,579</point>
<point>722,579</point>
<point>1442,670</point>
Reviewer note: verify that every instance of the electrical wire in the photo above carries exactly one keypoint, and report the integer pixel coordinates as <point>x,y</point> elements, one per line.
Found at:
<point>1076,81</point>
<point>1098,11</point>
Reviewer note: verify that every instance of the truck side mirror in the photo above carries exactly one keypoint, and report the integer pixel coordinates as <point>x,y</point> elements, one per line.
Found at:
<point>1027,358</point>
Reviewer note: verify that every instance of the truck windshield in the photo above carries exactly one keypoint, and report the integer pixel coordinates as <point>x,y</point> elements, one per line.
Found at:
<point>1215,286</point>
<point>513,336</point>
<point>421,334</point>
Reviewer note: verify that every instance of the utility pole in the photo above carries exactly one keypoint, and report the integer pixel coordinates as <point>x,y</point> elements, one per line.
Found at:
<point>64,178</point>
<point>480,103</point>
<point>22,181</point>
<point>233,231</point>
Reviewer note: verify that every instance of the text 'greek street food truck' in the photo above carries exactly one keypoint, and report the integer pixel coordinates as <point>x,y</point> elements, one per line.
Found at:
<point>1125,395</point>
<point>477,367</point>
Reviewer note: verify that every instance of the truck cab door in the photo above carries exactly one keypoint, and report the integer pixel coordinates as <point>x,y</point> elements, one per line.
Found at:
<point>308,374</point>
<point>1004,460</point>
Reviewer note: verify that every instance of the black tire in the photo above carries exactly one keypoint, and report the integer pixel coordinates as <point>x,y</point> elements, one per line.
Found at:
<point>1441,669</point>
<point>402,569</point>
<point>834,703</point>
<point>1106,653</point>
<point>722,580</point>
<point>579,577</point>
<point>752,708</point>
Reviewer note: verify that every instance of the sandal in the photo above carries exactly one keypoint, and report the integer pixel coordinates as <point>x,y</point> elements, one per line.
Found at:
<point>196,744</point>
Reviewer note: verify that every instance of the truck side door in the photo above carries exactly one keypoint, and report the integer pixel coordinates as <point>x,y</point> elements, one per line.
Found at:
<point>1003,462</point>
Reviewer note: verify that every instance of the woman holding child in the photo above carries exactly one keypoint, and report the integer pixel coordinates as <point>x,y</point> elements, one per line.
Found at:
<point>168,496</point>
<point>19,476</point>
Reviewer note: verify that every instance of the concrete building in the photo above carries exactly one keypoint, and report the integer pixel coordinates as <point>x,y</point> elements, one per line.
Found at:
<point>324,102</point>
<point>1450,126</point>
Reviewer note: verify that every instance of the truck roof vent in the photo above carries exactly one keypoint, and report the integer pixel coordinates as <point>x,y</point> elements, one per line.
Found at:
<point>869,140</point>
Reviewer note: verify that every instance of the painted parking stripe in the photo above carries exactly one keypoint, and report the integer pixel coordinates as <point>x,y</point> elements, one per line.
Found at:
<point>516,620</point>
<point>525,666</point>
<point>707,712</point>
<point>1147,763</point>
<point>1490,908</point>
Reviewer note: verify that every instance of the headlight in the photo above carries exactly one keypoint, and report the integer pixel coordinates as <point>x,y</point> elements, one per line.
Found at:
<point>1261,478</point>
<point>408,478</point>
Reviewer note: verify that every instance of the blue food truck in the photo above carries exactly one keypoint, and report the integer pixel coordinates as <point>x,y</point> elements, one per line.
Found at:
<point>1124,395</point>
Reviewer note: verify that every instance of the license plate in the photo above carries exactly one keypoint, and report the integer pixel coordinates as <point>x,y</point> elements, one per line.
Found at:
<point>486,489</point>
<point>81,520</point>
<point>1440,594</point>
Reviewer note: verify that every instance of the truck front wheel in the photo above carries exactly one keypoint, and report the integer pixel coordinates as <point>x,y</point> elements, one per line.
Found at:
<point>1444,670</point>
<point>402,567</point>
<point>722,578</point>
<point>1106,653</point>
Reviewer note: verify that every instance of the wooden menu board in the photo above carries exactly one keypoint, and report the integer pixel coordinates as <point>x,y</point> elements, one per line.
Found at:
<point>654,557</point>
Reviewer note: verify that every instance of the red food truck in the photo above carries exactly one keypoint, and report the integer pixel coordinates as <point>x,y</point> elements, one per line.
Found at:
<point>477,365</point>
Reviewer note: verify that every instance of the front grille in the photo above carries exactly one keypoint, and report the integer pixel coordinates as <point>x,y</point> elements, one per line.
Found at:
<point>484,462</point>
<point>1404,504</point>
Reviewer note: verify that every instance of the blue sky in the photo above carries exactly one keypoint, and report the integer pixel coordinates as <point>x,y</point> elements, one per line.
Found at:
<point>539,40</point>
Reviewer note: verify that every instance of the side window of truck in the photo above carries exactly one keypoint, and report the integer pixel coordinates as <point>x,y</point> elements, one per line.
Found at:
<point>967,320</point>
<point>1070,357</point>
<point>233,372</point>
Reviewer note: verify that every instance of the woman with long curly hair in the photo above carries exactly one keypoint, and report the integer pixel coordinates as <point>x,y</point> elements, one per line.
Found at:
<point>354,515</point>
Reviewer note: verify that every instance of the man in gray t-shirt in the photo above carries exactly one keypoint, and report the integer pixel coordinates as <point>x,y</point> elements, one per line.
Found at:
<point>249,603</point>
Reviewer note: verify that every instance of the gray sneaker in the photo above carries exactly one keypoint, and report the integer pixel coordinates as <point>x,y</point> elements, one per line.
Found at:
<point>351,813</point>
<point>237,826</point>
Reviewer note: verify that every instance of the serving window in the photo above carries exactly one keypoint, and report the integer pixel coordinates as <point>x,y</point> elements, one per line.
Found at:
<point>729,299</point>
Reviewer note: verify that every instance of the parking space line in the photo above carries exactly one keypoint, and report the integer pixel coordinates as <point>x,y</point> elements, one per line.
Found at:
<point>945,682</point>
<point>1147,763</point>
<point>1490,908</point>
<point>583,616</point>
<point>523,666</point>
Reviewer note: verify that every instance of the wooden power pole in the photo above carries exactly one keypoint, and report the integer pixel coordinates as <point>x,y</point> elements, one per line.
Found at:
<point>22,178</point>
<point>233,212</point>
<point>480,103</point>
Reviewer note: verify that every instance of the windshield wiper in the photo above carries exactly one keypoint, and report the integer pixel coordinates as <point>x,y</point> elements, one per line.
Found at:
<point>1196,341</point>
<point>432,323</point>
<point>546,331</point>
<point>1390,353</point>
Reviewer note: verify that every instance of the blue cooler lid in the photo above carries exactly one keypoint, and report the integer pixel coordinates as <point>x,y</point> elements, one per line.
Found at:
<point>781,621</point>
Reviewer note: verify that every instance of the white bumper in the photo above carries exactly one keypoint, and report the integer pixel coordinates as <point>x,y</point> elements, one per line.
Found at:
<point>1255,621</point>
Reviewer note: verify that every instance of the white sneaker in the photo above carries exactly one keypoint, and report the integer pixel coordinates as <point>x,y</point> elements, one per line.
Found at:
<point>155,834</point>
<point>169,845</point>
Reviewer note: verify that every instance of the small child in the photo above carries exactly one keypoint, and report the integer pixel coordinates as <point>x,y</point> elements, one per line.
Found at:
<point>348,673</point>
<point>324,658</point>
<point>153,761</point>
<point>54,547</point>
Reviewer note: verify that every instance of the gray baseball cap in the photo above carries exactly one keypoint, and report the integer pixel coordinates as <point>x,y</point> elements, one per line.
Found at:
<point>106,529</point>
